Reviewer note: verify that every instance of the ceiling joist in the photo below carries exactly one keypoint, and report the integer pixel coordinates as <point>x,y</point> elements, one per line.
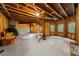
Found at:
<point>54,11</point>
<point>44,11</point>
<point>29,10</point>
<point>63,10</point>
<point>20,11</point>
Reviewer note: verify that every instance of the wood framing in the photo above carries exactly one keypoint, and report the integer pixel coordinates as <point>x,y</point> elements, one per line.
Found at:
<point>77,24</point>
<point>54,11</point>
<point>63,9</point>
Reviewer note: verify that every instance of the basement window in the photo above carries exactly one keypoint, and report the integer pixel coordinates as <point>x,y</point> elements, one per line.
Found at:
<point>60,27</point>
<point>52,28</point>
<point>71,27</point>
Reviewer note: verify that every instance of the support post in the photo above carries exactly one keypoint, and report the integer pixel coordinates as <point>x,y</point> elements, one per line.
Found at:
<point>77,24</point>
<point>44,36</point>
<point>56,28</point>
<point>66,28</point>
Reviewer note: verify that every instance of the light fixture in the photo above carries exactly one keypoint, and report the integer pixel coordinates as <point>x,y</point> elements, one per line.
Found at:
<point>37,14</point>
<point>34,24</point>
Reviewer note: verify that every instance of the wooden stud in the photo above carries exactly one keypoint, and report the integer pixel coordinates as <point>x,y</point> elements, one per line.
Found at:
<point>77,24</point>
<point>66,27</point>
<point>44,36</point>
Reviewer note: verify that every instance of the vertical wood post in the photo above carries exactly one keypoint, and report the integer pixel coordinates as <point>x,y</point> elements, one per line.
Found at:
<point>56,28</point>
<point>44,36</point>
<point>65,28</point>
<point>77,24</point>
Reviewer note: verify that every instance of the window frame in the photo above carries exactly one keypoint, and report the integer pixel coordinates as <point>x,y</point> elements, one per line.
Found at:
<point>53,30</point>
<point>62,28</point>
<point>70,31</point>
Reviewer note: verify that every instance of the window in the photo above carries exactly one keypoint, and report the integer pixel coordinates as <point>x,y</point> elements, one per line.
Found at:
<point>60,27</point>
<point>71,27</point>
<point>52,27</point>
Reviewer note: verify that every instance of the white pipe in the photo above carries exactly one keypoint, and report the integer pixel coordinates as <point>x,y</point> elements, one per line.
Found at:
<point>6,10</point>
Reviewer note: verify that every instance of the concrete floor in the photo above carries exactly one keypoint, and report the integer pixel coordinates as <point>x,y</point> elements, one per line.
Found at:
<point>28,45</point>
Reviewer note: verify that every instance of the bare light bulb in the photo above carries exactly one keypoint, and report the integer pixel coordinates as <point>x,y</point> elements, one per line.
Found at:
<point>37,14</point>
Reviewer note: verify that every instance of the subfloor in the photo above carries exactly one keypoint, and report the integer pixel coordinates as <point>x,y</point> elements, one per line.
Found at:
<point>28,45</point>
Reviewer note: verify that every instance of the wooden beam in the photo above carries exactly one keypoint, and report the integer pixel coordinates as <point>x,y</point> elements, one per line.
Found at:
<point>43,10</point>
<point>63,9</point>
<point>27,11</point>
<point>77,24</point>
<point>14,12</point>
<point>33,6</point>
<point>19,11</point>
<point>17,6</point>
<point>54,11</point>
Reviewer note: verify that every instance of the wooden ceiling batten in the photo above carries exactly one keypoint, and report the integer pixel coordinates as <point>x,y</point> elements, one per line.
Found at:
<point>68,7</point>
<point>31,5</point>
<point>24,19</point>
<point>36,9</point>
<point>14,15</point>
<point>19,11</point>
<point>63,9</point>
<point>54,11</point>
<point>44,11</point>
<point>23,15</point>
<point>11,10</point>
<point>28,10</point>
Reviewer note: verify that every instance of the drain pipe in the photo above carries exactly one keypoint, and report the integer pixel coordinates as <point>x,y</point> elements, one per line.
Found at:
<point>2,19</point>
<point>3,5</point>
<point>9,17</point>
<point>11,23</point>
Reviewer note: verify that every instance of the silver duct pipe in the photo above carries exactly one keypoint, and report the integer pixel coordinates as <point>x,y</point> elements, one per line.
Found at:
<point>11,23</point>
<point>3,5</point>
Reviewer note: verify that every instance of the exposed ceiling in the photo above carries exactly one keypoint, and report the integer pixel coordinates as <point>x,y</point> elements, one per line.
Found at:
<point>26,12</point>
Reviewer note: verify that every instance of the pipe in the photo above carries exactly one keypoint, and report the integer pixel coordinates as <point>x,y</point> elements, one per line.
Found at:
<point>6,11</point>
